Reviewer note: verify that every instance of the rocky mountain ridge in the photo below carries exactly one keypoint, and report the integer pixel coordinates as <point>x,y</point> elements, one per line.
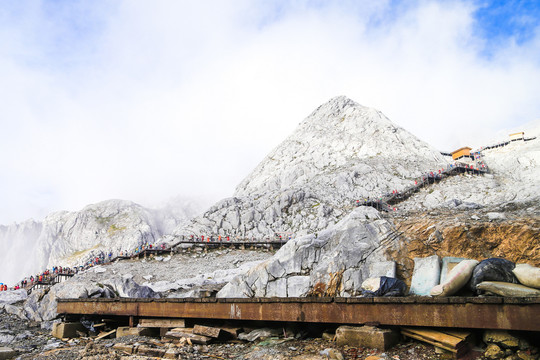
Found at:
<point>68,238</point>
<point>305,188</point>
<point>342,152</point>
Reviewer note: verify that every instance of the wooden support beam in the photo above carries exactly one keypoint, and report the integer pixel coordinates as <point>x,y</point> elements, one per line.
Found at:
<point>483,313</point>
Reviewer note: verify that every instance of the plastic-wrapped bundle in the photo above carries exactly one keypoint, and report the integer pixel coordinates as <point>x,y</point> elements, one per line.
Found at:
<point>387,286</point>
<point>493,269</point>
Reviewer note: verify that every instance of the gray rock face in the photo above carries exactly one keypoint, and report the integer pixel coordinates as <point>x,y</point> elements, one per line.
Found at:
<point>125,287</point>
<point>340,153</point>
<point>41,304</point>
<point>337,258</point>
<point>68,238</point>
<point>383,268</point>
<point>112,224</point>
<point>12,296</point>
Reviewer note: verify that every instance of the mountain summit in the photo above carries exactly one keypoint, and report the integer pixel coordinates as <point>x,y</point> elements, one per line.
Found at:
<point>343,151</point>
<point>343,148</point>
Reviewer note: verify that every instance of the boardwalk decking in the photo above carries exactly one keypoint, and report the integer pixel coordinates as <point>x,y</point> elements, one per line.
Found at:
<point>453,312</point>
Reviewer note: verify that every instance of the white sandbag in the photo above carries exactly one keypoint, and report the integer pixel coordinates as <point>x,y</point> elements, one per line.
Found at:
<point>527,275</point>
<point>426,275</point>
<point>508,289</point>
<point>371,284</point>
<point>456,279</point>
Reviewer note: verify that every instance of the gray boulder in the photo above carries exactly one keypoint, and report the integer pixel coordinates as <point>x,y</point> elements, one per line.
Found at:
<point>12,296</point>
<point>41,304</point>
<point>125,287</point>
<point>332,262</point>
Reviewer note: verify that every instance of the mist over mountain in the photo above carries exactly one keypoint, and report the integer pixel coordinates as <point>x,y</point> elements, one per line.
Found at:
<point>68,238</point>
<point>342,152</point>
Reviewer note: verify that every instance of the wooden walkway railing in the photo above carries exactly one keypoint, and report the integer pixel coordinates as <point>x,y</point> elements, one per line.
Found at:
<point>386,202</point>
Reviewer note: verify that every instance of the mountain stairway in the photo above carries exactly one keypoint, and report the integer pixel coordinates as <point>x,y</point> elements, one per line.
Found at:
<point>386,202</point>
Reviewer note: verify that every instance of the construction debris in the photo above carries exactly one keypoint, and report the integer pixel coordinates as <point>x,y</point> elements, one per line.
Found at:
<point>453,341</point>
<point>162,323</point>
<point>366,336</point>
<point>212,332</point>
<point>180,334</point>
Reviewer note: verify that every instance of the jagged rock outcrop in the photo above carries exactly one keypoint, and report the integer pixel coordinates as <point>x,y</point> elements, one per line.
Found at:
<point>192,287</point>
<point>113,224</point>
<point>331,262</point>
<point>12,296</point>
<point>341,152</point>
<point>125,287</point>
<point>41,304</point>
<point>68,238</point>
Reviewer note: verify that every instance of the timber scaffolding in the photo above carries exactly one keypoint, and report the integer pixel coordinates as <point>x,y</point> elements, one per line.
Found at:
<point>386,202</point>
<point>449,312</point>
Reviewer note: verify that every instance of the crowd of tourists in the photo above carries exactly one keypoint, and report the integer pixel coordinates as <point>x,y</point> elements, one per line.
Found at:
<point>49,276</point>
<point>44,277</point>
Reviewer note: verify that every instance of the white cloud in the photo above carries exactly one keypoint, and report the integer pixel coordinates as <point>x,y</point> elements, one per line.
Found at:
<point>147,100</point>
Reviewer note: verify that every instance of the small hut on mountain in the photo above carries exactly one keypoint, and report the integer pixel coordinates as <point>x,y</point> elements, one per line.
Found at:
<point>463,153</point>
<point>517,136</point>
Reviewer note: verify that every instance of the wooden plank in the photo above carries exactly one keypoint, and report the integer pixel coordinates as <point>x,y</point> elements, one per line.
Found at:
<point>196,339</point>
<point>165,323</point>
<point>463,335</point>
<point>232,332</point>
<point>438,339</point>
<point>183,330</point>
<point>209,331</point>
<point>429,341</point>
<point>437,336</point>
<point>106,334</point>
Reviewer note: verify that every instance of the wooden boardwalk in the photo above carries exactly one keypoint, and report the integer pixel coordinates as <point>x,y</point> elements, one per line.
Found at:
<point>451,312</point>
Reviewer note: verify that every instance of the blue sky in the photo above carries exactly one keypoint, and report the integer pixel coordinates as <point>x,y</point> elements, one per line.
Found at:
<point>499,21</point>
<point>146,100</point>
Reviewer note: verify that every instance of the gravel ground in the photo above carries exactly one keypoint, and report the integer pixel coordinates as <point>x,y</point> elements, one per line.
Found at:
<point>272,349</point>
<point>23,336</point>
<point>32,342</point>
<point>184,265</point>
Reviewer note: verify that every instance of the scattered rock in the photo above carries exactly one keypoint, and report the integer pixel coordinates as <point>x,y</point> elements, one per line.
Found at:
<point>493,352</point>
<point>332,354</point>
<point>495,216</point>
<point>7,353</point>
<point>501,337</point>
<point>259,334</point>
